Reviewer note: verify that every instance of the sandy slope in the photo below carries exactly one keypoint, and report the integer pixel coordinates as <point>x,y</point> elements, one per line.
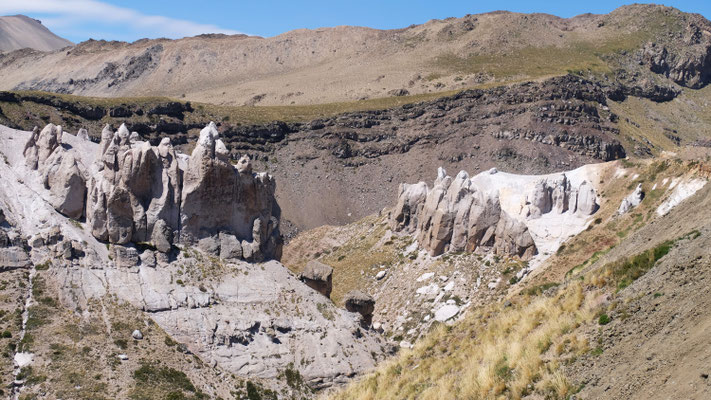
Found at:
<point>19,32</point>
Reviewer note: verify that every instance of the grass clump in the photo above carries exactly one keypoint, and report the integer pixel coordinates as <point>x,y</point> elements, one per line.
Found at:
<point>621,274</point>
<point>155,381</point>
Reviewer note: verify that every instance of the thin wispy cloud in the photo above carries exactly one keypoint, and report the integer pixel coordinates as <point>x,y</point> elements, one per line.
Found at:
<point>79,19</point>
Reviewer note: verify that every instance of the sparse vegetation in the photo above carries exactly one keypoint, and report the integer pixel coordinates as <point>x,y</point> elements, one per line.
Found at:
<point>151,380</point>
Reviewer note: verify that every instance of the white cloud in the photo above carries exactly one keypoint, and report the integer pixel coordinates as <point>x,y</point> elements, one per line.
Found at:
<point>59,15</point>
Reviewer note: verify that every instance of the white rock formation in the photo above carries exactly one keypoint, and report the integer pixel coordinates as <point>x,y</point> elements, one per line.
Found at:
<point>682,191</point>
<point>516,215</point>
<point>60,171</point>
<point>631,201</point>
<point>136,192</point>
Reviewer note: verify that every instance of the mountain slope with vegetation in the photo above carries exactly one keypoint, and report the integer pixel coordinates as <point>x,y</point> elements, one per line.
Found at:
<point>326,65</point>
<point>600,328</point>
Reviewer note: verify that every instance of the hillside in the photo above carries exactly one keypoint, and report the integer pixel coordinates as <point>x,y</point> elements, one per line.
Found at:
<point>498,206</point>
<point>350,63</point>
<point>21,32</point>
<point>621,296</point>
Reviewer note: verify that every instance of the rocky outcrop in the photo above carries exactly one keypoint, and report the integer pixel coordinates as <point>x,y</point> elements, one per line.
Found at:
<point>245,200</point>
<point>41,144</point>
<point>457,215</point>
<point>62,176</point>
<point>137,193</point>
<point>557,195</point>
<point>252,320</point>
<point>137,186</point>
<point>318,276</point>
<point>362,303</point>
<point>13,252</point>
<point>688,65</point>
<point>512,238</point>
<point>465,214</point>
<point>632,200</point>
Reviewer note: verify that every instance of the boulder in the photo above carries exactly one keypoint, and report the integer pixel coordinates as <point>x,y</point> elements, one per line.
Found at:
<point>362,303</point>
<point>209,245</point>
<point>230,247</point>
<point>318,276</point>
<point>148,258</point>
<point>125,257</point>
<point>162,236</point>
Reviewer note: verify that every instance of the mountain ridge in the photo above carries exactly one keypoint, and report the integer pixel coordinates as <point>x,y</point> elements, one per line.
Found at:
<point>351,63</point>
<point>20,31</point>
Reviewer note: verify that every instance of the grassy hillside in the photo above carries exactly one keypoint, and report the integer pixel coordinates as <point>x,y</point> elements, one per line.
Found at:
<point>527,345</point>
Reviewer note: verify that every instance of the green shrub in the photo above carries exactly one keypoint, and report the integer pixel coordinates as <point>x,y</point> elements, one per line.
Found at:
<point>630,269</point>
<point>604,319</point>
<point>156,375</point>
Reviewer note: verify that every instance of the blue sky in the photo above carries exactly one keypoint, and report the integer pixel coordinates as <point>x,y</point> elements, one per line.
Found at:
<point>129,20</point>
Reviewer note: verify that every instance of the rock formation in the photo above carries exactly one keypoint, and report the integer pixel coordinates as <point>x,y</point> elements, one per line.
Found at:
<point>136,186</point>
<point>245,200</point>
<point>252,320</point>
<point>457,215</point>
<point>318,276</point>
<point>631,201</point>
<point>41,144</point>
<point>136,192</point>
<point>463,214</point>
<point>362,303</point>
<point>60,171</point>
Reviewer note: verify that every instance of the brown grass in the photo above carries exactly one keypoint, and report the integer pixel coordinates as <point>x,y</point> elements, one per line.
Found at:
<point>496,352</point>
